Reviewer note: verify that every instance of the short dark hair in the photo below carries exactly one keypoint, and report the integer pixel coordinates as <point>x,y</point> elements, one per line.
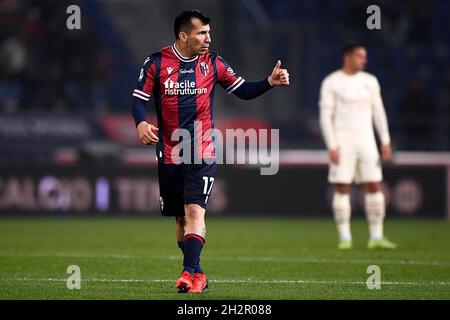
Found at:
<point>350,46</point>
<point>183,22</point>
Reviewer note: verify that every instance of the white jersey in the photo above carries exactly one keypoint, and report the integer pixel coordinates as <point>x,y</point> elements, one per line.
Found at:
<point>349,107</point>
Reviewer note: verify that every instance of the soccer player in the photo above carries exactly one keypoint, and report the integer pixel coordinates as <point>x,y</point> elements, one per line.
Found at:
<point>350,104</point>
<point>181,79</point>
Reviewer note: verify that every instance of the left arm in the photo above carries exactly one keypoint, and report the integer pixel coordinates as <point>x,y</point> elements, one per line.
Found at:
<point>380,122</point>
<point>250,90</point>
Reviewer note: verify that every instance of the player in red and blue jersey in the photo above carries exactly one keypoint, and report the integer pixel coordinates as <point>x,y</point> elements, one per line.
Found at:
<point>180,79</point>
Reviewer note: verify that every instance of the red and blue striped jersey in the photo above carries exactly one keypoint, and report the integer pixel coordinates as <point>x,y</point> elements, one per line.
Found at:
<point>183,92</point>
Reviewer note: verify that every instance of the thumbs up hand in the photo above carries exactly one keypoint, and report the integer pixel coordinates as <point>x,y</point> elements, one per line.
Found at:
<point>279,77</point>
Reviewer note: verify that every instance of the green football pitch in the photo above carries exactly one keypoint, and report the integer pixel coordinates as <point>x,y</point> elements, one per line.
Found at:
<point>244,258</point>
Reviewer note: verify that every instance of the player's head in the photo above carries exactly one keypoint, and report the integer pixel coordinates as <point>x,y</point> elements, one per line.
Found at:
<point>192,29</point>
<point>354,56</point>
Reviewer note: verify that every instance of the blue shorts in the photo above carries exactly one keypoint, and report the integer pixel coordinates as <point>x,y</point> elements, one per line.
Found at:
<point>181,184</point>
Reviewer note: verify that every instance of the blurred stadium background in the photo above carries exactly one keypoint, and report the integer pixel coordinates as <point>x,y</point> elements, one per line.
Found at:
<point>68,144</point>
<point>68,148</point>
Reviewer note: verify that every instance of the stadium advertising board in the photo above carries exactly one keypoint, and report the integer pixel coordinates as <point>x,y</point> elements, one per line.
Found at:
<point>239,190</point>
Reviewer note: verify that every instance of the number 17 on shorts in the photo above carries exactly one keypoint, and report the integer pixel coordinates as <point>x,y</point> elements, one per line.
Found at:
<point>208,184</point>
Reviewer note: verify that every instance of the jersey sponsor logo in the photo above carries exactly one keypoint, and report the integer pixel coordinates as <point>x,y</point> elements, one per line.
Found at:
<point>230,71</point>
<point>141,75</point>
<point>204,69</point>
<point>186,87</point>
<point>169,70</point>
<point>183,71</point>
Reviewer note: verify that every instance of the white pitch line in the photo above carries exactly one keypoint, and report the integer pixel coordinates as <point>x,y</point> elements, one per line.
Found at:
<point>249,281</point>
<point>68,255</point>
<point>334,261</point>
<point>229,258</point>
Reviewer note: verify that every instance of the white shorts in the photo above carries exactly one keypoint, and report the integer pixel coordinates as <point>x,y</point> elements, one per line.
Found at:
<point>356,164</point>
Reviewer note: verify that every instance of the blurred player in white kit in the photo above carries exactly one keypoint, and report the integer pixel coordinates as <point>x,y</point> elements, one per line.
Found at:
<point>350,105</point>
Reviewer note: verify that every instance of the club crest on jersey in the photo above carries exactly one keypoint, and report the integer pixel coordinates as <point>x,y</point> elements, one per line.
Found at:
<point>204,69</point>
<point>169,70</point>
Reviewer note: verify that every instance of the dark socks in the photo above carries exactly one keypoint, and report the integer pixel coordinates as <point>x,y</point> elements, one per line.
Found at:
<point>181,246</point>
<point>191,246</point>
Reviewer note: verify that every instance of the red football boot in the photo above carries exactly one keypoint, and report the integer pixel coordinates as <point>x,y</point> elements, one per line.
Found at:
<point>200,283</point>
<point>184,282</point>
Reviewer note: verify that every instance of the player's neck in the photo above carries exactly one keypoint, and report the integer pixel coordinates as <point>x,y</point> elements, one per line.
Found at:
<point>349,71</point>
<point>184,51</point>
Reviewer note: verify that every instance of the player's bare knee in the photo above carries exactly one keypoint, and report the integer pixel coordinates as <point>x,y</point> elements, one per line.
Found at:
<point>372,187</point>
<point>342,188</point>
<point>194,217</point>
<point>194,213</point>
<point>195,220</point>
<point>194,209</point>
